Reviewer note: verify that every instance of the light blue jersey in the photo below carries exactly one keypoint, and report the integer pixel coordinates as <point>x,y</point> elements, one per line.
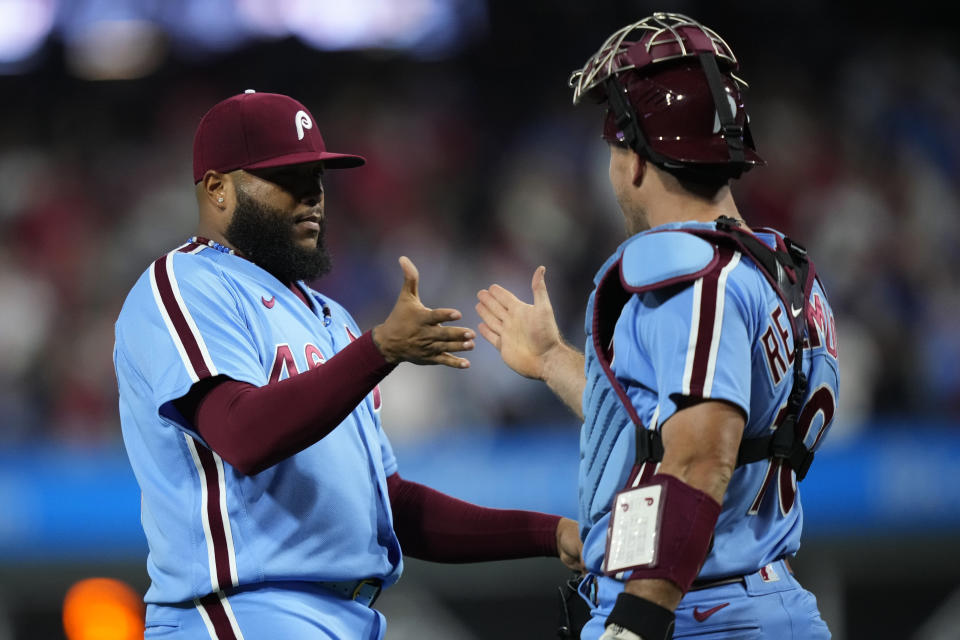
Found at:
<point>708,325</point>
<point>320,515</point>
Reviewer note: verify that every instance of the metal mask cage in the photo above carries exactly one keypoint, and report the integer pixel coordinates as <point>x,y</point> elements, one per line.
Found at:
<point>661,31</point>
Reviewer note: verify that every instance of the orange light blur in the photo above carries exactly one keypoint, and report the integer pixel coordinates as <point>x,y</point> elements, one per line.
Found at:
<point>102,609</point>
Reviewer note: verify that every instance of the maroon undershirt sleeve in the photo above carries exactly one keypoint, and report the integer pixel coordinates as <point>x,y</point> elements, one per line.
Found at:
<point>434,526</point>
<point>254,427</point>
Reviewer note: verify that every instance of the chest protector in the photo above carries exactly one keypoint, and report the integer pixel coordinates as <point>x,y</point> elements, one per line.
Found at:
<point>607,408</point>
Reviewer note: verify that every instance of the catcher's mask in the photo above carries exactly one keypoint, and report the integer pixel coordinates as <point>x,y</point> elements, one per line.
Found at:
<point>672,96</point>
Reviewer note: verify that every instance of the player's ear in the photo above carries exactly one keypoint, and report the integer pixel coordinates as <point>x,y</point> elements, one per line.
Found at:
<point>639,168</point>
<point>217,189</point>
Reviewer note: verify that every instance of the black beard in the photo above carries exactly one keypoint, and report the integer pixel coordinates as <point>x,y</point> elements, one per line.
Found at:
<point>264,236</point>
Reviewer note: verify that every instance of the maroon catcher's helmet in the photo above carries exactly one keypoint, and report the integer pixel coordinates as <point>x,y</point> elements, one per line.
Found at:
<point>672,96</point>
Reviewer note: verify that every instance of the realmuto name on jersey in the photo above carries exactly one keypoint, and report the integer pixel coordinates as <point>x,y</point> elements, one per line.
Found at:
<point>285,364</point>
<point>778,345</point>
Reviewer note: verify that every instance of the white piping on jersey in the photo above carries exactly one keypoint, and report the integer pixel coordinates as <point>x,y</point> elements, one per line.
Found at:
<point>186,314</point>
<point>695,318</point>
<point>225,516</point>
<point>205,518</point>
<point>636,480</point>
<point>207,622</point>
<point>231,617</point>
<point>178,343</point>
<point>694,331</point>
<point>227,609</point>
<point>643,468</point>
<point>718,323</point>
<point>170,328</point>
<point>204,497</point>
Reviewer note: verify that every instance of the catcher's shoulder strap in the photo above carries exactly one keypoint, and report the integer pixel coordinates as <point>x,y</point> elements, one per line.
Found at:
<point>790,274</point>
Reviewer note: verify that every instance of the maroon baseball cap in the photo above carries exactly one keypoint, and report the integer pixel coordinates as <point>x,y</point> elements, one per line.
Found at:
<point>259,130</point>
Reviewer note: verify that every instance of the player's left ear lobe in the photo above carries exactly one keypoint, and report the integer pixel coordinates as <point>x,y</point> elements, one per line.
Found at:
<point>216,186</point>
<point>639,170</point>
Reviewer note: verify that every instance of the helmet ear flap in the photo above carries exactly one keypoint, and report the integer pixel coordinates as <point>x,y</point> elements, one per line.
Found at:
<point>625,121</point>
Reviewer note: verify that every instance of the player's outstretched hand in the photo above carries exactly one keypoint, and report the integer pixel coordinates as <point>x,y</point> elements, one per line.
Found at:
<point>414,333</point>
<point>569,545</point>
<point>524,334</point>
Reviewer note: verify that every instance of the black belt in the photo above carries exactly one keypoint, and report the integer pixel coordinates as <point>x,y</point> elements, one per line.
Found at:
<point>709,584</point>
<point>363,591</point>
<point>717,582</point>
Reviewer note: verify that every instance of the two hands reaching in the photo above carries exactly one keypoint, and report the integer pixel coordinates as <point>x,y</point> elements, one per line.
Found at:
<point>526,335</point>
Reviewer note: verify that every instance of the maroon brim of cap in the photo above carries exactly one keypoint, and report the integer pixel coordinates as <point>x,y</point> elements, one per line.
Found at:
<point>330,160</point>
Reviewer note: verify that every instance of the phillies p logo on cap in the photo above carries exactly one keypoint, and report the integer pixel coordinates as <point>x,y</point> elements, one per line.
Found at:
<point>252,131</point>
<point>303,122</point>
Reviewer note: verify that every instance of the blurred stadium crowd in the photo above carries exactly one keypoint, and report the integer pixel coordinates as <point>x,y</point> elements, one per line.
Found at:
<point>479,178</point>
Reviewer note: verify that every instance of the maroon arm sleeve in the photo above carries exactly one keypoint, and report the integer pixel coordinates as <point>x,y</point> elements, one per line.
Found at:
<point>434,526</point>
<point>253,427</point>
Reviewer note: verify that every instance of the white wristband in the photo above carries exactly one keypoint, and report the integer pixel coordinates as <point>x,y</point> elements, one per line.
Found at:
<point>616,632</point>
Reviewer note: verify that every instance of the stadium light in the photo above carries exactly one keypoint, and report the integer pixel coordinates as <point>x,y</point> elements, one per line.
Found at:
<point>24,27</point>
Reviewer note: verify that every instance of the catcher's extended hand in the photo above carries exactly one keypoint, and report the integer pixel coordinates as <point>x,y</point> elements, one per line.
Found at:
<point>524,334</point>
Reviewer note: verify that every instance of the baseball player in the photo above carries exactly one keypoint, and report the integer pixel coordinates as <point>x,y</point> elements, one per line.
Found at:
<point>271,500</point>
<point>710,369</point>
